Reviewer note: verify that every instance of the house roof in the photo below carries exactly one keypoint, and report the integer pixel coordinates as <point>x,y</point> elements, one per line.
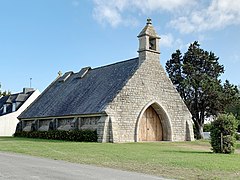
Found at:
<point>85,92</point>
<point>18,98</point>
<point>3,100</point>
<point>21,97</point>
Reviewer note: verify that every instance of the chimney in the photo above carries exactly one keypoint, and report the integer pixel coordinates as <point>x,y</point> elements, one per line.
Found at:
<point>27,90</point>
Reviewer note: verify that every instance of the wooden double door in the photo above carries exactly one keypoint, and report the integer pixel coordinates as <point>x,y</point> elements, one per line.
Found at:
<point>150,127</point>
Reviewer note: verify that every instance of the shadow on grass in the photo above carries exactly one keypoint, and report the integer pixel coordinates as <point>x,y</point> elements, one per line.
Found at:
<point>189,152</point>
<point>196,152</point>
<point>7,138</point>
<point>39,140</point>
<point>30,139</point>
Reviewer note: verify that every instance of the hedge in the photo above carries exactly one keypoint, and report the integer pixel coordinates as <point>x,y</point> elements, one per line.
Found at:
<point>75,135</point>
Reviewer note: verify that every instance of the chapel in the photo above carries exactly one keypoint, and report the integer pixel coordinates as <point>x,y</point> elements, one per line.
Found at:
<point>128,101</point>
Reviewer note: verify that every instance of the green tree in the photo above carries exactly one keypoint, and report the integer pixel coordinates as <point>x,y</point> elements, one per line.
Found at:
<point>4,93</point>
<point>230,95</point>
<point>196,77</point>
<point>234,107</point>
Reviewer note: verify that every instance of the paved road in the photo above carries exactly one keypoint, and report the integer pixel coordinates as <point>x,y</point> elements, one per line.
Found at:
<point>23,167</point>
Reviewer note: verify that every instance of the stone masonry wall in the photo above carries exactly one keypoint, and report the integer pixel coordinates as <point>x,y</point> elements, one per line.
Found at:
<point>149,84</point>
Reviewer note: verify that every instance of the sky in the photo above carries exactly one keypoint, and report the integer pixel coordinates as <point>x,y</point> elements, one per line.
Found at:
<point>42,37</point>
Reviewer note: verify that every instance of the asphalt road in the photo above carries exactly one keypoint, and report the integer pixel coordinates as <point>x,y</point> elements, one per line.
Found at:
<point>23,167</point>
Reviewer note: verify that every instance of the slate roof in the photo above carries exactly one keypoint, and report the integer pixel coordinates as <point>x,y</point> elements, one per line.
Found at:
<point>3,101</point>
<point>18,98</point>
<point>79,93</point>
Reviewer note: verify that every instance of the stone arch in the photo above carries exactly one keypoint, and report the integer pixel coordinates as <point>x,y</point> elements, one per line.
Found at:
<point>164,119</point>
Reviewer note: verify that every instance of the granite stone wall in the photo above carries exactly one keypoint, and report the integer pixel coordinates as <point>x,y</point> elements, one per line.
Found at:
<point>149,86</point>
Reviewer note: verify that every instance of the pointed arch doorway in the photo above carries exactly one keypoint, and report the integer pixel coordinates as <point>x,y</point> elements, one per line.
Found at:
<point>150,126</point>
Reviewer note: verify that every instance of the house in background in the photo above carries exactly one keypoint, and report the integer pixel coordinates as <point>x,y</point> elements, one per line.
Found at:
<point>12,106</point>
<point>129,101</point>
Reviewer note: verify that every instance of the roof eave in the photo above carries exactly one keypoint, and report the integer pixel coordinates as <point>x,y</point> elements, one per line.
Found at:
<point>66,116</point>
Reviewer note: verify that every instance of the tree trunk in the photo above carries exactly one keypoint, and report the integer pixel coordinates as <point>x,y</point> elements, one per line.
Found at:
<point>199,131</point>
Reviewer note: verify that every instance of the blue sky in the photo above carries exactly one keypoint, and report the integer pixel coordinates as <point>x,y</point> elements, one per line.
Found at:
<point>41,37</point>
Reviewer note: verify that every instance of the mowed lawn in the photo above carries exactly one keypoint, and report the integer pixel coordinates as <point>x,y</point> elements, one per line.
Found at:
<point>180,160</point>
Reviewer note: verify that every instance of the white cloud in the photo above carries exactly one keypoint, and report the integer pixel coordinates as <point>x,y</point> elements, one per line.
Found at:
<point>114,12</point>
<point>168,41</point>
<point>218,14</point>
<point>187,16</point>
<point>182,24</point>
<point>105,14</point>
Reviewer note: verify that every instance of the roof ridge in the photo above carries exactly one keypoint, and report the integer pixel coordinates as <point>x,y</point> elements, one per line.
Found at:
<point>119,62</point>
<point>107,65</point>
<point>18,93</point>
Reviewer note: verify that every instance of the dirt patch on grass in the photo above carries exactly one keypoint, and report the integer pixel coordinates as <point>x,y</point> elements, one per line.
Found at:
<point>200,147</point>
<point>237,151</point>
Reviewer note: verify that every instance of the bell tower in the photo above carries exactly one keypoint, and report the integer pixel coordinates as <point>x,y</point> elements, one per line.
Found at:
<point>148,43</point>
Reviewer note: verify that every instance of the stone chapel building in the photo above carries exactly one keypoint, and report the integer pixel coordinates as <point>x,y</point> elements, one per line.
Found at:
<point>128,101</point>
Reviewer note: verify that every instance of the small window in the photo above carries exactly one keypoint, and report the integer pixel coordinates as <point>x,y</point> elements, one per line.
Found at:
<point>13,107</point>
<point>4,108</point>
<point>152,43</point>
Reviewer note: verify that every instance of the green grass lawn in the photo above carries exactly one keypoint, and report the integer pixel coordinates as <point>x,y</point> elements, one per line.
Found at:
<point>181,160</point>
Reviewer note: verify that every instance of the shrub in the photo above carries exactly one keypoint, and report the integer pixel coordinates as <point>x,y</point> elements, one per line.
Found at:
<point>238,129</point>
<point>238,136</point>
<point>76,135</point>
<point>223,134</point>
<point>207,127</point>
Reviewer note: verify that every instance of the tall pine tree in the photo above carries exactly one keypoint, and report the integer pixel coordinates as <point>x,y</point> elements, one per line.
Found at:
<point>196,77</point>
